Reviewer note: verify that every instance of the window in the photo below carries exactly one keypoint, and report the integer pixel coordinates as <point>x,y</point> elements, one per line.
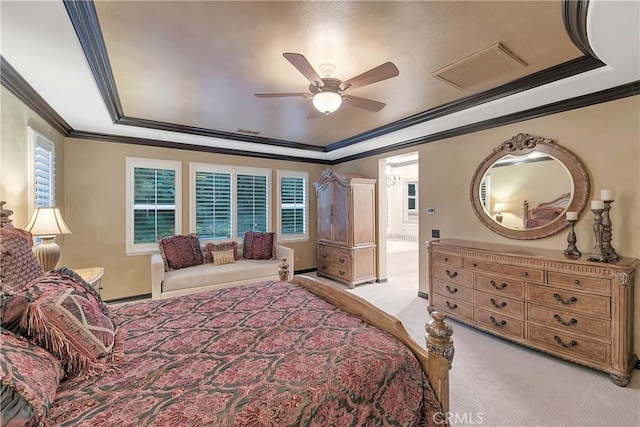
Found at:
<point>153,202</point>
<point>226,201</point>
<point>292,206</point>
<point>411,201</point>
<point>42,176</point>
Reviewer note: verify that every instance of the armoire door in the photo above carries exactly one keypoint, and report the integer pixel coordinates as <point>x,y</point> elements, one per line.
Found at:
<point>341,216</point>
<point>324,214</point>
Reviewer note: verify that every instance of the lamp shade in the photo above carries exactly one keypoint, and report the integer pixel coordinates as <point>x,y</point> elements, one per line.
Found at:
<point>47,222</point>
<point>498,207</point>
<point>327,102</point>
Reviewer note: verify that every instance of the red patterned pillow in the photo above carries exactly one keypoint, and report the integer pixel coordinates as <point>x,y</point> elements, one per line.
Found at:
<point>258,245</point>
<point>180,251</point>
<point>18,263</point>
<point>30,377</point>
<point>222,247</point>
<point>73,328</point>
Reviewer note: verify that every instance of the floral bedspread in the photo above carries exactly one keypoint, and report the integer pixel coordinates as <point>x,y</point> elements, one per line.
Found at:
<point>268,354</point>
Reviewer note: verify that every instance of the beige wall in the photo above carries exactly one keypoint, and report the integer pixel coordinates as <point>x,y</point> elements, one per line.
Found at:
<point>15,117</point>
<point>95,200</point>
<point>606,137</point>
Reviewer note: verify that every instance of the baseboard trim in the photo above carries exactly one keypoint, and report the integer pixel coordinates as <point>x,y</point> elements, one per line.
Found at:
<point>382,280</point>
<point>306,270</point>
<point>423,295</point>
<point>127,299</point>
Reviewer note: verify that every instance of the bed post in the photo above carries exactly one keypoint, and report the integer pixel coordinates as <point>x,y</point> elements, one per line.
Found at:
<point>283,272</point>
<point>440,349</point>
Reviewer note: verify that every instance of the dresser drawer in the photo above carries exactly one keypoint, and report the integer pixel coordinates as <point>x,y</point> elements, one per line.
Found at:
<point>570,300</point>
<point>497,322</point>
<point>499,304</point>
<point>462,293</point>
<point>333,255</point>
<point>569,322</point>
<point>568,343</point>
<point>345,273</point>
<point>456,308</point>
<point>573,281</point>
<point>452,274</point>
<point>500,285</point>
<point>453,260</point>
<point>524,273</point>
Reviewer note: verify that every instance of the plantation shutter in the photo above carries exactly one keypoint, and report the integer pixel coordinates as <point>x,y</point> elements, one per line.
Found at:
<point>154,205</point>
<point>213,205</point>
<point>44,170</point>
<point>293,204</point>
<point>251,203</point>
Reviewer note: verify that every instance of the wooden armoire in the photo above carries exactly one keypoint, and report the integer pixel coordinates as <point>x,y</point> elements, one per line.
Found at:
<point>346,245</point>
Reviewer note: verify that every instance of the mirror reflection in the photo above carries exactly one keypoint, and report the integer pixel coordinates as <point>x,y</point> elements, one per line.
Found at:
<point>526,191</point>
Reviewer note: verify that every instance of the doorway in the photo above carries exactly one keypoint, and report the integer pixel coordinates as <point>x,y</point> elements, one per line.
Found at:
<point>402,210</point>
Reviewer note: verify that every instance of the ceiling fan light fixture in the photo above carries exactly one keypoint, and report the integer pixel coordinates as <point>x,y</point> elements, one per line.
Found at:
<point>327,102</point>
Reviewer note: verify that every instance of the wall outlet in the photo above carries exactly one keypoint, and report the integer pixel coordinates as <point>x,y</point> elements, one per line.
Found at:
<point>435,234</point>
<point>431,211</point>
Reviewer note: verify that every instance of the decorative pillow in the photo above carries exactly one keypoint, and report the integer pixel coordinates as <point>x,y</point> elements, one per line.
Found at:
<point>258,245</point>
<point>180,251</point>
<point>18,263</point>
<point>30,377</point>
<point>222,247</point>
<point>69,325</point>
<point>224,257</point>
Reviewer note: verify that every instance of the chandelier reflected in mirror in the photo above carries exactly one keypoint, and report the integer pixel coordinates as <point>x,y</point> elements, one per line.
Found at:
<point>393,177</point>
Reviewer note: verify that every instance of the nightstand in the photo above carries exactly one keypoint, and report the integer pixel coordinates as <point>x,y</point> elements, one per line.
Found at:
<point>92,276</point>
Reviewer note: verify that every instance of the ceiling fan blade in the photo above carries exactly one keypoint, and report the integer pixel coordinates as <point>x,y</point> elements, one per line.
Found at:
<point>314,114</point>
<point>364,103</point>
<point>302,65</point>
<point>379,73</point>
<point>283,95</point>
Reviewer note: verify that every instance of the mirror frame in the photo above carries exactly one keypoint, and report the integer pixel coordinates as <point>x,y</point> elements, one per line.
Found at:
<point>522,144</point>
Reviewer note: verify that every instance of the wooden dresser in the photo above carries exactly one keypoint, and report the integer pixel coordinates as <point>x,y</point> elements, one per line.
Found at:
<point>346,245</point>
<point>577,310</point>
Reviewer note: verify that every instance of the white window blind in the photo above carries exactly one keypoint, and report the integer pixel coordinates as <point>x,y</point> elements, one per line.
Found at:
<point>226,201</point>
<point>42,166</point>
<point>153,204</point>
<point>213,211</point>
<point>293,206</point>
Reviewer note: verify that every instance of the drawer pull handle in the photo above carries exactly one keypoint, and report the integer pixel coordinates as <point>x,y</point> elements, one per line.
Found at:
<point>342,273</point>
<point>569,345</point>
<point>446,258</point>
<point>452,274</point>
<point>570,301</point>
<point>525,274</point>
<point>576,282</point>
<point>324,267</point>
<point>323,256</point>
<point>342,260</point>
<point>495,285</point>
<point>496,323</point>
<point>475,265</point>
<point>452,306</point>
<point>496,305</point>
<point>569,323</point>
<point>452,291</point>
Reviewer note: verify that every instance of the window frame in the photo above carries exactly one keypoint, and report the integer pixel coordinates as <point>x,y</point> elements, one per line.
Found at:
<point>139,162</point>
<point>410,215</point>
<point>33,139</point>
<point>195,167</point>
<point>298,237</point>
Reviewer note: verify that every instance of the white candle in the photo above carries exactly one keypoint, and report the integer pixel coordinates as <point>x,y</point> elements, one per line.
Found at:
<point>572,216</point>
<point>606,194</point>
<point>597,204</point>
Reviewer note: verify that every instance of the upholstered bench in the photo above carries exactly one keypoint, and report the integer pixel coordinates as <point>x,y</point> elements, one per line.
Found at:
<point>208,276</point>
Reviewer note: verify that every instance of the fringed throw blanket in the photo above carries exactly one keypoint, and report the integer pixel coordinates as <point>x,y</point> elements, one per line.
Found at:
<point>269,354</point>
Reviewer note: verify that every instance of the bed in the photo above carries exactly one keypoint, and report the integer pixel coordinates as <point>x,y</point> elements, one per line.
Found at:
<point>545,212</point>
<point>271,353</point>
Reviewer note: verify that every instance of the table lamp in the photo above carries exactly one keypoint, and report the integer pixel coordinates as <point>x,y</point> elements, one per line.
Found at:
<point>46,223</point>
<point>498,208</point>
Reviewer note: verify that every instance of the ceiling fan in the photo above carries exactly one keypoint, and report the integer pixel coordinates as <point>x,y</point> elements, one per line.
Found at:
<point>327,93</point>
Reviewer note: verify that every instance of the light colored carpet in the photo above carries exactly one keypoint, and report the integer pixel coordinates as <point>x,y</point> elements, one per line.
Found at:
<point>496,383</point>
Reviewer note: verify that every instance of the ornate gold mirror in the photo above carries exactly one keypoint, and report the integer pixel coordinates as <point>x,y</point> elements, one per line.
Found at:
<point>524,188</point>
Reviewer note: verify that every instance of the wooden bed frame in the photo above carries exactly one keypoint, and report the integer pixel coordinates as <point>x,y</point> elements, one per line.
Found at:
<point>528,213</point>
<point>435,360</point>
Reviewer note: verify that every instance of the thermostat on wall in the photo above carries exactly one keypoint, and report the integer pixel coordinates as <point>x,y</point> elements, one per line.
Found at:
<point>431,211</point>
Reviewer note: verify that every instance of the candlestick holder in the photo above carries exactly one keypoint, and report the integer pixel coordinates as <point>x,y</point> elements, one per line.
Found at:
<point>607,233</point>
<point>597,254</point>
<point>572,251</point>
